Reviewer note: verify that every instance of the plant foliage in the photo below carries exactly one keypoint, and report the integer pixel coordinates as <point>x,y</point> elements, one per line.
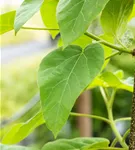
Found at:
<point>77,64</point>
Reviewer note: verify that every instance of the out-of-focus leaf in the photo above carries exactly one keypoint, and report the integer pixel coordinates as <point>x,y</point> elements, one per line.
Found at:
<point>74,17</point>
<point>77,144</point>
<point>127,84</point>
<point>82,41</point>
<point>107,50</point>
<point>22,130</point>
<point>133,13</point>
<point>115,16</point>
<point>48,13</point>
<point>27,9</point>
<point>15,147</point>
<point>119,74</point>
<point>7,22</point>
<point>109,79</point>
<point>62,76</point>
<point>132,26</point>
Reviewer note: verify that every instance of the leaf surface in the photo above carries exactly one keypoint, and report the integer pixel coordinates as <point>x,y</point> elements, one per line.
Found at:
<point>82,41</point>
<point>14,147</point>
<point>115,16</point>
<point>62,76</point>
<point>22,130</point>
<point>76,144</point>
<point>7,22</point>
<point>48,13</point>
<point>74,17</point>
<point>133,13</point>
<point>109,79</point>
<point>27,9</point>
<point>107,50</point>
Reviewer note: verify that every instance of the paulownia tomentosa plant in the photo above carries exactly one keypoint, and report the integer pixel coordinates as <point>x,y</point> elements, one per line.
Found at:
<point>76,65</point>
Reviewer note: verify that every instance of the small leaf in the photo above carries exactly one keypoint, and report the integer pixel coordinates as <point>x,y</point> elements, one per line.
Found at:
<point>74,17</point>
<point>109,79</point>
<point>76,144</point>
<point>127,84</point>
<point>48,13</point>
<point>15,147</point>
<point>82,41</point>
<point>22,130</point>
<point>62,76</point>
<point>116,13</point>
<point>119,74</point>
<point>27,9</point>
<point>7,22</point>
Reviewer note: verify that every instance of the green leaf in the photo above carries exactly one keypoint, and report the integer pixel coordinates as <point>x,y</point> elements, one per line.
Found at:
<point>76,144</point>
<point>22,130</point>
<point>7,22</point>
<point>109,79</point>
<point>15,147</point>
<point>48,13</point>
<point>74,17</point>
<point>115,16</point>
<point>27,9</point>
<point>107,50</point>
<point>127,84</point>
<point>62,76</point>
<point>82,41</point>
<point>133,13</point>
<point>131,26</point>
<point>119,74</point>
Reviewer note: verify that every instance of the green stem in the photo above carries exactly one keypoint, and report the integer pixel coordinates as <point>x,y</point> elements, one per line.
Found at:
<point>109,105</point>
<point>104,95</point>
<point>119,42</point>
<point>114,128</point>
<point>121,49</point>
<point>123,138</point>
<point>125,135</point>
<point>123,119</point>
<point>114,54</point>
<point>114,142</point>
<point>90,116</point>
<point>30,28</point>
<point>111,101</point>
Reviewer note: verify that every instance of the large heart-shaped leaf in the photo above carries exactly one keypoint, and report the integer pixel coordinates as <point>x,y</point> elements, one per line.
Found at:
<point>116,13</point>
<point>15,147</point>
<point>77,144</point>
<point>22,130</point>
<point>27,9</point>
<point>48,13</point>
<point>62,76</point>
<point>7,22</point>
<point>74,17</point>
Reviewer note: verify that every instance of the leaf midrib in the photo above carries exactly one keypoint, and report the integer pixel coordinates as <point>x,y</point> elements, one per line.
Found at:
<point>65,87</point>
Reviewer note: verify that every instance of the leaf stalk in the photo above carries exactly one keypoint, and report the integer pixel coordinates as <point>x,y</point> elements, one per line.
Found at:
<point>102,41</point>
